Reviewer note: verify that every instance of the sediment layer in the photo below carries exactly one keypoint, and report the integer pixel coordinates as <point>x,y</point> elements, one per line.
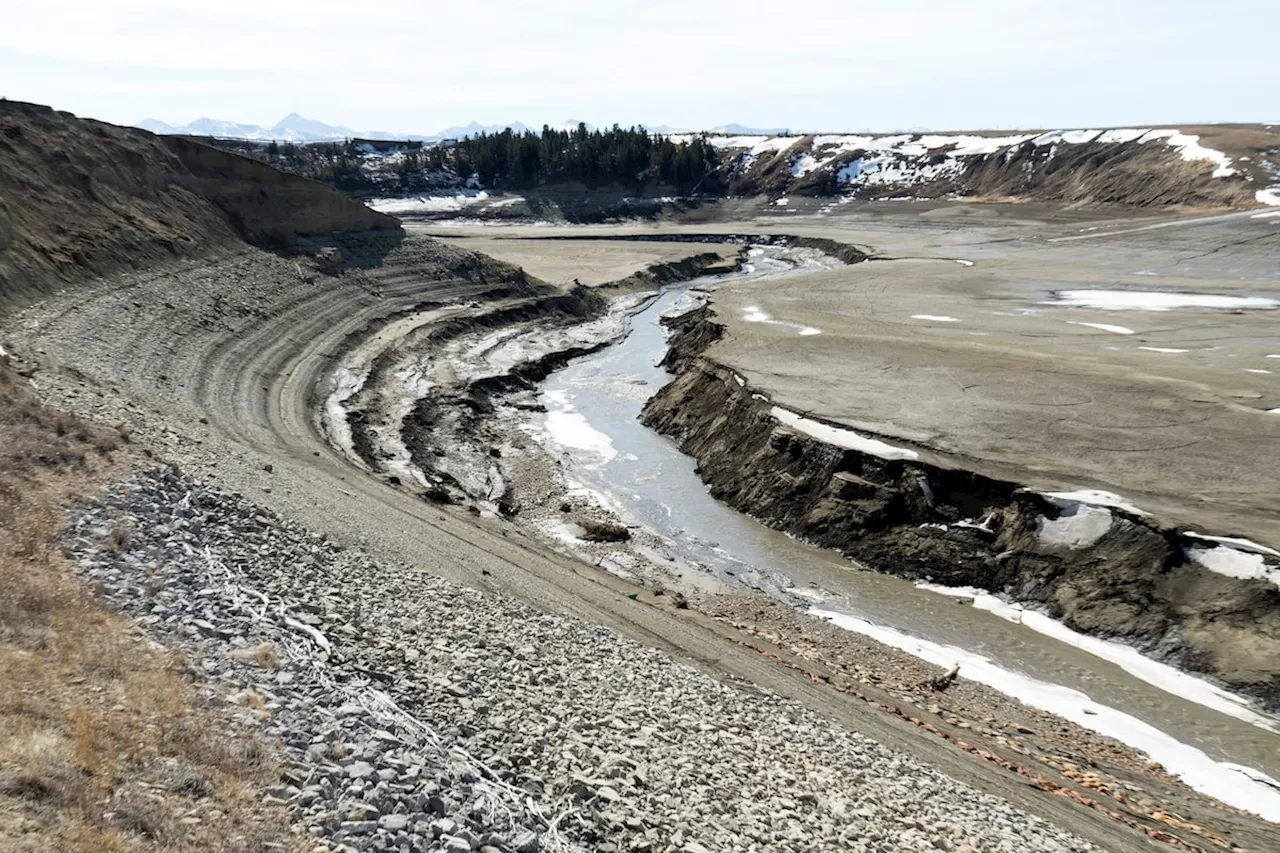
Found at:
<point>1130,580</point>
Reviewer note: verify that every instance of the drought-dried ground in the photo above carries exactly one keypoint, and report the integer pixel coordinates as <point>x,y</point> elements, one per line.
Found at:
<point>105,744</point>
<point>1013,387</point>
<point>216,366</point>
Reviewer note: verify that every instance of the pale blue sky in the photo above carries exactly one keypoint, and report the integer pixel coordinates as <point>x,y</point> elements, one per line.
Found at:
<point>418,67</point>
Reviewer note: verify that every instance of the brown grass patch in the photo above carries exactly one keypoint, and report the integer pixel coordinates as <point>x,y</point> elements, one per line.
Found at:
<point>103,744</point>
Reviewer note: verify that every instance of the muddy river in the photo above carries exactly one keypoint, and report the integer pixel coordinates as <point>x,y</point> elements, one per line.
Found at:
<point>1218,745</point>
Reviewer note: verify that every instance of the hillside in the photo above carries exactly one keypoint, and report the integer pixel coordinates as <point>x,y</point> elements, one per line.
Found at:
<point>1219,166</point>
<point>80,199</point>
<point>1216,166</point>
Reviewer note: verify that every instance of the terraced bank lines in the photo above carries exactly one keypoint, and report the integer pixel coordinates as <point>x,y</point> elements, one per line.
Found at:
<point>243,344</point>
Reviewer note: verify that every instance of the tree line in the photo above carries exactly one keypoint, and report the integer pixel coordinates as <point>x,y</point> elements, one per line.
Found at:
<point>630,158</point>
<point>627,157</point>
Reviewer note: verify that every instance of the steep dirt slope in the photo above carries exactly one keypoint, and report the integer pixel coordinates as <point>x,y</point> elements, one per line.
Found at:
<point>80,199</point>
<point>1214,166</point>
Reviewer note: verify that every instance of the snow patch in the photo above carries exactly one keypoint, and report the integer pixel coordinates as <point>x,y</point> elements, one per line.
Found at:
<point>1077,526</point>
<point>1163,349</point>
<point>753,314</point>
<point>841,437</point>
<point>1092,497</point>
<point>803,166</point>
<point>1155,300</point>
<point>427,203</point>
<point>1247,789</point>
<point>938,318</point>
<point>1106,327</point>
<point>964,263</point>
<point>1189,148</point>
<point>1132,661</point>
<point>1235,542</point>
<point>1234,563</point>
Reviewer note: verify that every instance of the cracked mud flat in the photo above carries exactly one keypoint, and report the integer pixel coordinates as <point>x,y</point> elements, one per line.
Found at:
<point>185,366</point>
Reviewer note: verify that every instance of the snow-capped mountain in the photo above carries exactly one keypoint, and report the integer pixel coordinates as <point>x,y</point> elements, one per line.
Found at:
<point>296,128</point>
<point>291,128</point>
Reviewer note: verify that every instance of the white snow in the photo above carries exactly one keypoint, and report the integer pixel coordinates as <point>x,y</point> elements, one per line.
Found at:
<point>803,165</point>
<point>1274,355</point>
<point>1071,137</point>
<point>964,263</point>
<point>1246,789</point>
<point>1077,526</point>
<point>1132,661</point>
<point>1092,497</point>
<point>1106,327</point>
<point>427,203</point>
<point>939,318</point>
<point>346,384</point>
<point>1270,214</point>
<point>1155,300</point>
<point>906,158</point>
<point>1254,370</point>
<point>1235,562</point>
<point>1270,196</point>
<point>841,437</point>
<point>782,202</point>
<point>1163,349</point>
<point>1235,542</point>
<point>753,314</point>
<point>1189,148</point>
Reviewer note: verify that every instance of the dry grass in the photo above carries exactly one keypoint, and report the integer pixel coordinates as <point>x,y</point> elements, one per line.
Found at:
<point>103,746</point>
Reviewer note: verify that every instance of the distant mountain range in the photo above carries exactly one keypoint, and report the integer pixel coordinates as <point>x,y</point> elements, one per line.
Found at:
<point>296,128</point>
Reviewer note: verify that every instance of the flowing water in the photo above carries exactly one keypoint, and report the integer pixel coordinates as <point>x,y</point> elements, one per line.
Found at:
<point>593,406</point>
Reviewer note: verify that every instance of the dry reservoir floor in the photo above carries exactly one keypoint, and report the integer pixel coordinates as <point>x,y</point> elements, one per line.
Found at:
<point>973,362</point>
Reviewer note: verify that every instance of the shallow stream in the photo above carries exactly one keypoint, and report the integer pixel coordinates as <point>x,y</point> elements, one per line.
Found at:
<point>1196,731</point>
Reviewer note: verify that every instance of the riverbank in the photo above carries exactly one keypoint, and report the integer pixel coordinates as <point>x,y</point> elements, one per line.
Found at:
<point>264,440</point>
<point>548,496</point>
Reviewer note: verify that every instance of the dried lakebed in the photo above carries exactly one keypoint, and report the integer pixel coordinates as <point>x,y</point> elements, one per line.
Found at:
<point>572,461</point>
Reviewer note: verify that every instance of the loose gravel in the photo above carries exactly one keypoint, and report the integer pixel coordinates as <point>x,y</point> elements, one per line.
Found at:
<point>415,714</point>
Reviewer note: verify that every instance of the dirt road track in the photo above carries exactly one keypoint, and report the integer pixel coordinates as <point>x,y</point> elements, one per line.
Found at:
<point>228,389</point>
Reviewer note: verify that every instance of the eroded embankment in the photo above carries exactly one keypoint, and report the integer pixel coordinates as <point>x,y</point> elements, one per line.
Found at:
<point>456,368</point>
<point>1101,570</point>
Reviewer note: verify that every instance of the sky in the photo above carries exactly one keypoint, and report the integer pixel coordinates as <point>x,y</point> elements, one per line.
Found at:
<point>835,66</point>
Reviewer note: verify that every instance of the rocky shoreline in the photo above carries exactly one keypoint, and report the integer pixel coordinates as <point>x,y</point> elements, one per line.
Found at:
<point>415,714</point>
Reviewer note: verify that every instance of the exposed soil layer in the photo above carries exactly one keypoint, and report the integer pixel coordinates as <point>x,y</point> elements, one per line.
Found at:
<point>955,527</point>
<point>82,198</point>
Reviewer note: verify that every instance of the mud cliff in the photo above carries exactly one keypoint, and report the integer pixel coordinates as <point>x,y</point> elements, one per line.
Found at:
<point>1101,571</point>
<point>81,199</point>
